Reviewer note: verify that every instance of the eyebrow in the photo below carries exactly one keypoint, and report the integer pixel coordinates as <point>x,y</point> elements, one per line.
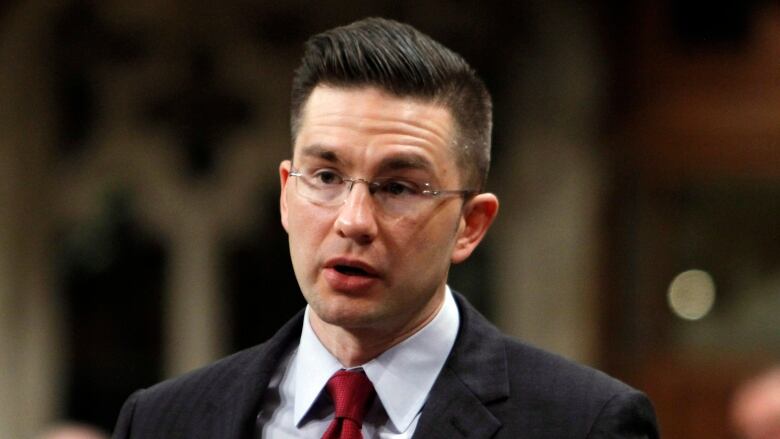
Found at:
<point>405,161</point>
<point>322,152</point>
<point>398,162</point>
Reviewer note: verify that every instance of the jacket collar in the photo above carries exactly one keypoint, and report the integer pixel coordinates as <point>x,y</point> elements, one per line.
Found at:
<point>474,376</point>
<point>237,402</point>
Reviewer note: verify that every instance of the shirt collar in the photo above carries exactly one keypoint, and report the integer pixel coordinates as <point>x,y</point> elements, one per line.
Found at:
<point>402,376</point>
<point>313,367</point>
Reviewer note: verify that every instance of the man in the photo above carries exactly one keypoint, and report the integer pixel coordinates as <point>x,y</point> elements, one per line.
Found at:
<point>72,430</point>
<point>384,191</point>
<point>755,407</point>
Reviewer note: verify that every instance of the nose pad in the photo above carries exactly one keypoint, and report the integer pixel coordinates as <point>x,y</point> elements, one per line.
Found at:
<point>358,180</point>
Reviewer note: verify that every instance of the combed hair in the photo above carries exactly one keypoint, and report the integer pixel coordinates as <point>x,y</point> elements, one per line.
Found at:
<point>403,62</point>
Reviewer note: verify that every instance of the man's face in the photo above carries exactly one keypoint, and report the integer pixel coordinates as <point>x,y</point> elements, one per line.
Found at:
<point>358,267</point>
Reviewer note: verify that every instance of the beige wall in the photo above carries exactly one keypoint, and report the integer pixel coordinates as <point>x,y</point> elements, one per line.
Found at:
<point>30,352</point>
<point>547,232</point>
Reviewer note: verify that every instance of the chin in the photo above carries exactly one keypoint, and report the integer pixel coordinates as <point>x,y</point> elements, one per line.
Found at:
<point>348,313</point>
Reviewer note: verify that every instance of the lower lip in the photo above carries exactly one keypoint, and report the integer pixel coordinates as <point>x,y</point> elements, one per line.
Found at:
<point>348,283</point>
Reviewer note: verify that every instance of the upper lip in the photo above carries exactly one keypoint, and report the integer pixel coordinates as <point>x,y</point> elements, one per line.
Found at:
<point>354,263</point>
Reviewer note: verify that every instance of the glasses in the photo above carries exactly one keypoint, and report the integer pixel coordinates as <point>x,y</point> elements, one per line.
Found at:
<point>394,196</point>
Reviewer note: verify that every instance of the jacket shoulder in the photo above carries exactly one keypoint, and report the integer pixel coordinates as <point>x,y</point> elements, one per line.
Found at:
<point>217,374</point>
<point>540,393</point>
<point>228,388</point>
<point>592,403</point>
<point>549,371</point>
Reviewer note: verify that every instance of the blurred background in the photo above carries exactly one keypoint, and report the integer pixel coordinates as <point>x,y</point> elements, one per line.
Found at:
<point>636,155</point>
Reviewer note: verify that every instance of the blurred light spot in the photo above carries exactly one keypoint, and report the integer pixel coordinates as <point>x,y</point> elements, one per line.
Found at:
<point>692,294</point>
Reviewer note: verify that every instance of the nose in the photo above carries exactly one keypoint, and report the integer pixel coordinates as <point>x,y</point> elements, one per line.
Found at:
<point>356,219</point>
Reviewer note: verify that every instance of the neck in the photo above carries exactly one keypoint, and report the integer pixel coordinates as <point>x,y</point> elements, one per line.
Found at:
<point>356,346</point>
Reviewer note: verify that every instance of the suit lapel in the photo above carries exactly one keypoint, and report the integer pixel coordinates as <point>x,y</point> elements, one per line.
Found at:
<point>454,413</point>
<point>474,376</point>
<point>234,411</point>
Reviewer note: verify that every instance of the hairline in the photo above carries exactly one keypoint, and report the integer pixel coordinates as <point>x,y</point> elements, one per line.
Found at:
<point>454,144</point>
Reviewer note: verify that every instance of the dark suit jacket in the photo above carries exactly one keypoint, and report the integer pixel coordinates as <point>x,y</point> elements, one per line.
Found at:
<point>491,386</point>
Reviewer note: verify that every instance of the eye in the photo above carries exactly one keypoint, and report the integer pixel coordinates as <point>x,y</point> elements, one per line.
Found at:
<point>398,188</point>
<point>326,178</point>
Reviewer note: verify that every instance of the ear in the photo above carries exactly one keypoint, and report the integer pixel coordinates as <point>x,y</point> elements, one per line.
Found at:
<point>478,215</point>
<point>284,178</point>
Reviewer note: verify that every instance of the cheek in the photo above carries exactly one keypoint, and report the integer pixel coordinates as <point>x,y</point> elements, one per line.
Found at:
<point>304,228</point>
<point>429,242</point>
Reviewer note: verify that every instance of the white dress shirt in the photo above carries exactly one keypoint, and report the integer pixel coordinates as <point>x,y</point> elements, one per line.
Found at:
<point>402,377</point>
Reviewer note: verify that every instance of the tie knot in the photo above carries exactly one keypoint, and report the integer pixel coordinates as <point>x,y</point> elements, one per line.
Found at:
<point>352,394</point>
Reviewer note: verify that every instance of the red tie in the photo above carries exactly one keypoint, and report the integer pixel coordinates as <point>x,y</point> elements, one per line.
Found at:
<point>352,394</point>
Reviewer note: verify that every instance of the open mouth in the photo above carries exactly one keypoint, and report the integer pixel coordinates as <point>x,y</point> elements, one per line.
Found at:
<point>351,271</point>
<point>350,276</point>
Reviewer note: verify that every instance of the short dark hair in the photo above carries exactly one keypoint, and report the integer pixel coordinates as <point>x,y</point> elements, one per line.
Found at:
<point>404,62</point>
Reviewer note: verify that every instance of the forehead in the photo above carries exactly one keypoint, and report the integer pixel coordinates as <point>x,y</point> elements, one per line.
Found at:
<point>367,123</point>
